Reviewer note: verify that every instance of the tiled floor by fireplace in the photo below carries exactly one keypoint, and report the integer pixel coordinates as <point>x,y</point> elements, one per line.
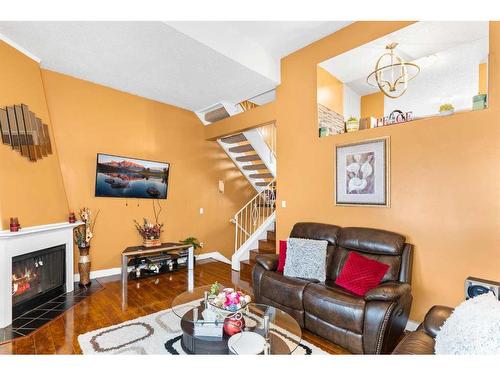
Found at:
<point>34,319</point>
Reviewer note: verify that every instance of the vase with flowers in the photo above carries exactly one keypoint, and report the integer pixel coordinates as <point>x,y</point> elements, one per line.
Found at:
<point>150,232</point>
<point>228,303</point>
<point>83,236</point>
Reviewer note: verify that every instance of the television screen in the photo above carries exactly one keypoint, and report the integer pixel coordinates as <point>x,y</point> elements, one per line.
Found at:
<point>121,177</point>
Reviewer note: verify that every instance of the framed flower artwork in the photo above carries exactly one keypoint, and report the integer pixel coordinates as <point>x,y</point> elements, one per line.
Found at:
<point>362,173</point>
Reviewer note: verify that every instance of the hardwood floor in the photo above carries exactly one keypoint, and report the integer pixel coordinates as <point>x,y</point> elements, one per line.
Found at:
<point>104,309</point>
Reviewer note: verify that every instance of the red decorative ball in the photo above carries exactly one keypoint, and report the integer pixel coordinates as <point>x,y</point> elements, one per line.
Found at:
<point>234,325</point>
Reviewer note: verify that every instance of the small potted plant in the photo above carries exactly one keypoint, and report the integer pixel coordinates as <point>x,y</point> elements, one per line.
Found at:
<point>193,241</point>
<point>446,109</point>
<point>83,235</point>
<point>352,124</point>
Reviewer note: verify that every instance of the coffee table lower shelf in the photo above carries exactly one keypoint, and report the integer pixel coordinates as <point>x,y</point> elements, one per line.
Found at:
<point>217,346</point>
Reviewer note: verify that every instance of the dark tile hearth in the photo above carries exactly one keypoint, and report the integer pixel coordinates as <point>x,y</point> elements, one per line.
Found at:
<point>30,321</point>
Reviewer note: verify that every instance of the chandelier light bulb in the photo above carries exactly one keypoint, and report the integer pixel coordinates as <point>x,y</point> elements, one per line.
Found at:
<point>392,73</point>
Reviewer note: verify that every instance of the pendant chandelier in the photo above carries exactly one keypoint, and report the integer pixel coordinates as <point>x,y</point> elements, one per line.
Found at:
<point>392,74</point>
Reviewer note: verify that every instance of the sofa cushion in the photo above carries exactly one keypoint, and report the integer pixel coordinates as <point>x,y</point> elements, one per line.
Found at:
<point>335,306</point>
<point>284,290</point>
<point>340,256</point>
<point>306,258</point>
<point>374,241</point>
<point>361,274</point>
<point>316,231</point>
<point>282,256</point>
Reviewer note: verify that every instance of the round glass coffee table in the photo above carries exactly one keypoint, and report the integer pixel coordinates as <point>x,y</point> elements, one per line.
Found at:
<point>203,333</point>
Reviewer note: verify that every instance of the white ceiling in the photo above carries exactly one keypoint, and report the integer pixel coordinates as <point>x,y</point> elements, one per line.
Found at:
<point>188,64</point>
<point>416,43</point>
<point>258,45</point>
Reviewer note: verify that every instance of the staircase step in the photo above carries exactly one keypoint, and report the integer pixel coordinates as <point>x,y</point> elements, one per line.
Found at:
<point>266,246</point>
<point>271,235</point>
<point>262,183</point>
<point>216,115</point>
<point>242,148</point>
<point>261,175</point>
<point>246,267</point>
<point>254,167</point>
<point>253,254</point>
<point>253,157</point>
<point>237,138</point>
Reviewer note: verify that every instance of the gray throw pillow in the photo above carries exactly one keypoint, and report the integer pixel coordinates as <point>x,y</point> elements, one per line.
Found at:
<point>306,259</point>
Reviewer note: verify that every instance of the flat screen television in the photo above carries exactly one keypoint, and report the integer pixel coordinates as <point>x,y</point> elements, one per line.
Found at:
<point>122,177</point>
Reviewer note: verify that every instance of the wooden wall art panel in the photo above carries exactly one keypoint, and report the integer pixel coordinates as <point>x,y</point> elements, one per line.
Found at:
<point>24,132</point>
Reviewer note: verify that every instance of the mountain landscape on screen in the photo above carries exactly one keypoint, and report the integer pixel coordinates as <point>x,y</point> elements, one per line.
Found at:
<point>131,178</point>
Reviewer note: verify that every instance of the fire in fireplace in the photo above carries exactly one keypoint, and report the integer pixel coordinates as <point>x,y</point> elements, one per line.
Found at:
<point>37,277</point>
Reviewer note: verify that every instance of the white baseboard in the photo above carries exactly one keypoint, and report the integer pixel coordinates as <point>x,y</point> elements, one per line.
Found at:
<point>411,325</point>
<point>116,271</point>
<point>214,255</point>
<point>101,273</point>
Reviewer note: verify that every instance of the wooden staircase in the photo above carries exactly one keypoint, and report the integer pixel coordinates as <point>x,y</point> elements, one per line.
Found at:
<point>267,246</point>
<point>248,159</point>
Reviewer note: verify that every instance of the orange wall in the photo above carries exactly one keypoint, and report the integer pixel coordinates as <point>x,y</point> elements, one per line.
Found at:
<point>32,191</point>
<point>330,91</point>
<point>483,78</point>
<point>372,105</point>
<point>445,185</point>
<point>90,118</point>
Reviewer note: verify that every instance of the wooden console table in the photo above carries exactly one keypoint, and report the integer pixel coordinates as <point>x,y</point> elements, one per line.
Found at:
<point>142,250</point>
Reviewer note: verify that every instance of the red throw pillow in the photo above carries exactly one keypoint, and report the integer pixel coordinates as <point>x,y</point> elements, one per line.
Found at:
<point>282,256</point>
<point>360,274</point>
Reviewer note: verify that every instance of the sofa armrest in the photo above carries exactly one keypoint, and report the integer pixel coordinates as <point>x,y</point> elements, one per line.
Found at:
<point>435,318</point>
<point>268,261</point>
<point>388,291</point>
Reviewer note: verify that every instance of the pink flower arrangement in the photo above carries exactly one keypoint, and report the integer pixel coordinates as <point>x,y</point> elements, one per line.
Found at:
<point>231,300</point>
<point>149,231</point>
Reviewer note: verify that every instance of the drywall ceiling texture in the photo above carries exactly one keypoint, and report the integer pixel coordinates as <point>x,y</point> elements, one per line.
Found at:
<point>259,45</point>
<point>415,42</point>
<point>452,78</point>
<point>149,59</point>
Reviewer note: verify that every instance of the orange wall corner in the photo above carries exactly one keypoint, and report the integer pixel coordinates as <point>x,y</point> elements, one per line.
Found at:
<point>32,191</point>
<point>372,105</point>
<point>330,91</point>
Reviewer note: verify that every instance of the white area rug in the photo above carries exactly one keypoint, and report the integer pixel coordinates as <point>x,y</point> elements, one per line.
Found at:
<point>158,333</point>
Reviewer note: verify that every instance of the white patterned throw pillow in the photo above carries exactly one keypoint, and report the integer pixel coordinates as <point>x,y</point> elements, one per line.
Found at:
<point>306,259</point>
<point>473,328</point>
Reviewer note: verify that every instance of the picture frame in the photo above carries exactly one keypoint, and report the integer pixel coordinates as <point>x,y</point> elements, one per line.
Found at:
<point>362,173</point>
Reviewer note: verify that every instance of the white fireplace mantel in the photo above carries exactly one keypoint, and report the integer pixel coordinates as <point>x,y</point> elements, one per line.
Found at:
<point>28,240</point>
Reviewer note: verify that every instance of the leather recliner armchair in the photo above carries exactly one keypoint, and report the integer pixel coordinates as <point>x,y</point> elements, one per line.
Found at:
<point>423,339</point>
<point>372,324</point>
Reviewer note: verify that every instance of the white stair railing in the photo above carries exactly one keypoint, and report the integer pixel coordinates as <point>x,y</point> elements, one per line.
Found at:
<point>254,214</point>
<point>268,133</point>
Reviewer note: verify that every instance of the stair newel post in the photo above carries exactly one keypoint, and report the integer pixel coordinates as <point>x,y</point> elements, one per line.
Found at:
<point>235,233</point>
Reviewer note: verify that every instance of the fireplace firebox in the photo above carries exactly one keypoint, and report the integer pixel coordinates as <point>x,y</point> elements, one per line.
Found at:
<point>37,277</point>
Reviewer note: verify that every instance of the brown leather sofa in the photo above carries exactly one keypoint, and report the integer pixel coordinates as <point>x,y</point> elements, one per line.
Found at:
<point>369,325</point>
<point>422,340</point>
